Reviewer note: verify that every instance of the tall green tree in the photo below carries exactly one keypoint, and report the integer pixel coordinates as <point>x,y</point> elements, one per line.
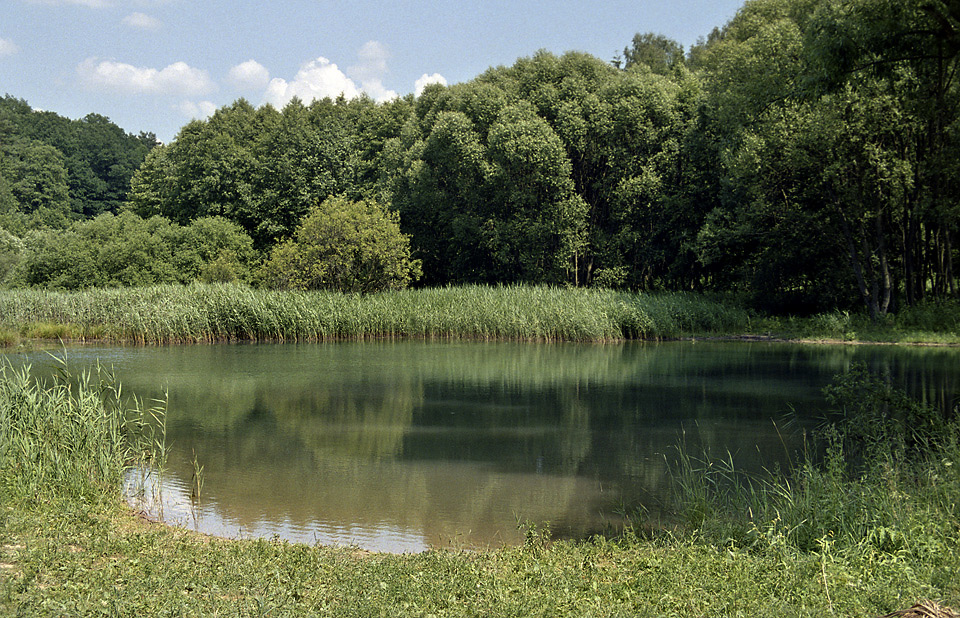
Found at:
<point>258,167</point>
<point>656,52</point>
<point>99,157</point>
<point>36,183</point>
<point>836,111</point>
<point>538,219</point>
<point>912,48</point>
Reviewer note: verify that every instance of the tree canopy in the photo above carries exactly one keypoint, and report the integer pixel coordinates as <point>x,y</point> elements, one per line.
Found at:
<point>803,155</point>
<point>60,170</point>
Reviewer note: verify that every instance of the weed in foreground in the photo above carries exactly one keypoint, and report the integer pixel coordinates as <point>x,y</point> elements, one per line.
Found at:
<point>880,503</point>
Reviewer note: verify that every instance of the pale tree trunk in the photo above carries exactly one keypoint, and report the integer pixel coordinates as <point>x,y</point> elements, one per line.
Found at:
<point>875,283</point>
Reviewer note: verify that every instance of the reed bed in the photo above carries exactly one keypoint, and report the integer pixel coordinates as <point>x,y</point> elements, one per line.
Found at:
<point>69,441</point>
<point>226,312</point>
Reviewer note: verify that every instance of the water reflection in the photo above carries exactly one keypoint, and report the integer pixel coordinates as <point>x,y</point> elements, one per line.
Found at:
<point>400,446</point>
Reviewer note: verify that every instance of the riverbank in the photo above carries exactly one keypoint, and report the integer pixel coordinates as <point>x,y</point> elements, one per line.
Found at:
<point>817,540</point>
<point>225,312</point>
<point>113,565</point>
<point>208,313</point>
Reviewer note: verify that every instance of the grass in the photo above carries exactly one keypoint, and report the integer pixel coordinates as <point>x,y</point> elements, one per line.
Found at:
<point>229,312</point>
<point>223,312</point>
<point>9,338</point>
<point>936,321</point>
<point>835,539</point>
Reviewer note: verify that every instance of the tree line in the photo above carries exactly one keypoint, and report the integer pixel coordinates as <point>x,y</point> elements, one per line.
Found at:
<point>803,155</point>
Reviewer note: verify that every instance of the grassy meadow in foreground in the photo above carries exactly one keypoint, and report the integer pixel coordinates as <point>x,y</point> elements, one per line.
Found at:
<point>822,540</point>
<point>199,313</point>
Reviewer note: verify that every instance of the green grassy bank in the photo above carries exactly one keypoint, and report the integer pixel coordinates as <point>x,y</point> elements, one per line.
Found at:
<point>936,322</point>
<point>201,313</point>
<point>209,313</point>
<point>837,539</point>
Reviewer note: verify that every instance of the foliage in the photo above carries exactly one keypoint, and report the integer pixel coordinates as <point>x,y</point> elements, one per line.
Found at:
<point>36,180</point>
<point>260,168</point>
<point>346,246</point>
<point>831,122</point>
<point>653,51</point>
<point>552,170</point>
<point>796,120</point>
<point>60,169</point>
<point>11,248</point>
<point>125,250</point>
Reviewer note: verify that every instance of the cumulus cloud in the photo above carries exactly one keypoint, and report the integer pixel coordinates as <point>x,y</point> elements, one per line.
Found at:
<point>371,70</point>
<point>197,111</point>
<point>378,92</point>
<point>425,80</point>
<point>178,78</point>
<point>249,75</point>
<point>8,48</point>
<point>315,80</point>
<point>373,58</point>
<point>141,21</point>
<point>321,78</point>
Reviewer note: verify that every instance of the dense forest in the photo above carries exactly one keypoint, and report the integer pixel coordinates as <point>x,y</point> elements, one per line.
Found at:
<point>803,156</point>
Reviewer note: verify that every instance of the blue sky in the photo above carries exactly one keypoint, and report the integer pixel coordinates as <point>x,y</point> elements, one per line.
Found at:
<point>152,65</point>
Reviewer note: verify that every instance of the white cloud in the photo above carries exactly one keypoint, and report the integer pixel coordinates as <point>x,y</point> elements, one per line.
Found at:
<point>371,70</point>
<point>249,75</point>
<point>373,62</point>
<point>141,21</point>
<point>378,92</point>
<point>315,80</point>
<point>198,111</point>
<point>425,80</point>
<point>178,78</point>
<point>8,48</point>
<point>321,78</point>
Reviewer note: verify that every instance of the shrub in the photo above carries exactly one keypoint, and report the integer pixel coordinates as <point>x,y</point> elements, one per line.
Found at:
<point>126,250</point>
<point>347,246</point>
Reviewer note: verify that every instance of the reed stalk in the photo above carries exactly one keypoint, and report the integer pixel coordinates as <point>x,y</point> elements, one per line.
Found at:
<point>228,312</point>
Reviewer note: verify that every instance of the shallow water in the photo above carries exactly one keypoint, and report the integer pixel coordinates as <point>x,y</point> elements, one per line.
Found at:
<point>404,446</point>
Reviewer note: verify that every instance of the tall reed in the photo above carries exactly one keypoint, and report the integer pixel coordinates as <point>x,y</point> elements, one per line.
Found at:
<point>72,439</point>
<point>223,312</point>
<point>869,493</point>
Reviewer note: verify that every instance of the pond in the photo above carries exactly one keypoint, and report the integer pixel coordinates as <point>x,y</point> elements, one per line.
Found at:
<point>405,446</point>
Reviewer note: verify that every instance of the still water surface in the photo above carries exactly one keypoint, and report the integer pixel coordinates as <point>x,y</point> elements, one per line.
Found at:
<point>404,446</point>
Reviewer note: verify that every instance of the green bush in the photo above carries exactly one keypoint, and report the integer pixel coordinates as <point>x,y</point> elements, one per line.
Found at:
<point>125,250</point>
<point>346,246</point>
<point>11,249</point>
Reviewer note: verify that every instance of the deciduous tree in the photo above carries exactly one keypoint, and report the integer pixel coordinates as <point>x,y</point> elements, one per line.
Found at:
<point>345,245</point>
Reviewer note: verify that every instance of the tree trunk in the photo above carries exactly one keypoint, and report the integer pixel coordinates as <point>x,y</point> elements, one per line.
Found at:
<point>884,279</point>
<point>868,299</point>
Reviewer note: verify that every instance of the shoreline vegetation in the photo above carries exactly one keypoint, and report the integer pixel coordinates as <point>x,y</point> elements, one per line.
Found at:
<point>205,313</point>
<point>229,312</point>
<point>870,528</point>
